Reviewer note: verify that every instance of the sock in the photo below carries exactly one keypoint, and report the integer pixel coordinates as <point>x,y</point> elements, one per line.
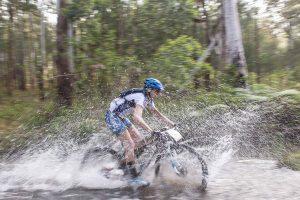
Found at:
<point>132,170</point>
<point>122,164</point>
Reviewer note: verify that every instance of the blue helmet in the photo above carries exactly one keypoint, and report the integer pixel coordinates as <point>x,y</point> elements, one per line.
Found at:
<point>153,84</point>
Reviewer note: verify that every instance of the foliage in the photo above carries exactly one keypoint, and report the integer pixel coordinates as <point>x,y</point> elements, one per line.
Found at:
<point>262,89</point>
<point>292,160</point>
<point>118,43</point>
<point>281,79</point>
<point>78,9</point>
<point>176,59</point>
<point>16,110</point>
<point>171,19</point>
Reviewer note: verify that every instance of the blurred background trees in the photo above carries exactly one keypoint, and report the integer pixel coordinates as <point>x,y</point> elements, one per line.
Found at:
<point>103,45</point>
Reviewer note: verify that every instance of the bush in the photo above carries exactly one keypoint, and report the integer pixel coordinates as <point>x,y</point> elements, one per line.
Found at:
<point>176,59</point>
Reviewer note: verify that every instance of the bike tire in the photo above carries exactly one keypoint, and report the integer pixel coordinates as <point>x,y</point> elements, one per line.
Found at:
<point>185,148</point>
<point>99,152</point>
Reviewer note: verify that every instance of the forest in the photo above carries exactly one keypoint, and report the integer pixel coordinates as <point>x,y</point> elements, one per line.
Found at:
<point>231,72</point>
<point>55,53</point>
<point>99,45</point>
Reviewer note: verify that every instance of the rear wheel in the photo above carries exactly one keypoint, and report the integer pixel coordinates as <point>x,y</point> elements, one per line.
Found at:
<point>101,156</point>
<point>110,160</point>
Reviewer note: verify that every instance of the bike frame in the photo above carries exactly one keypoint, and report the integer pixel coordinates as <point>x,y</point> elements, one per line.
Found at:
<point>164,147</point>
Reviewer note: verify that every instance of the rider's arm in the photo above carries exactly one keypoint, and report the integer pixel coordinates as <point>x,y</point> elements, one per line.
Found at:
<point>138,118</point>
<point>162,117</point>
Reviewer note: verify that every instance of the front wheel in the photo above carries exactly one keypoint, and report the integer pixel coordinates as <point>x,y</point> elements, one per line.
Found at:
<point>193,165</point>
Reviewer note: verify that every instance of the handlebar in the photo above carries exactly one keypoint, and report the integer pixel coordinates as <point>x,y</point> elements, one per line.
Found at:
<point>161,130</point>
<point>160,133</point>
<point>155,133</point>
<point>158,136</point>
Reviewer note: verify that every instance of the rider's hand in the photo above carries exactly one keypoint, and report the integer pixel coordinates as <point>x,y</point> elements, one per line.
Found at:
<point>164,129</point>
<point>155,132</point>
<point>173,125</point>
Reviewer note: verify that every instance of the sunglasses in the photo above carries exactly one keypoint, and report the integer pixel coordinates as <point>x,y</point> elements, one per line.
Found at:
<point>156,91</point>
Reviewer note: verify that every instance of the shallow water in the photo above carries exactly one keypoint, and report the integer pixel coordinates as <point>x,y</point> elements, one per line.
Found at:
<point>236,179</point>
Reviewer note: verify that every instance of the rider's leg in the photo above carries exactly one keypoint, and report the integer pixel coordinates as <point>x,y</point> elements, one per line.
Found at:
<point>129,145</point>
<point>135,135</point>
<point>119,127</point>
<point>129,153</point>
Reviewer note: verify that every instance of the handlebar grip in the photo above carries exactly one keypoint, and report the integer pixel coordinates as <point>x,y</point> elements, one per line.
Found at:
<point>155,132</point>
<point>163,129</point>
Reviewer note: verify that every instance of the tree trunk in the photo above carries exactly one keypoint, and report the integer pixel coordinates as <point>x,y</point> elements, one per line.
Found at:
<point>2,56</point>
<point>41,65</point>
<point>221,43</point>
<point>207,24</point>
<point>233,41</point>
<point>257,51</point>
<point>71,49</point>
<point>120,27</point>
<point>289,32</point>
<point>134,26</point>
<point>64,80</point>
<point>20,70</point>
<point>11,56</point>
<point>206,56</point>
<point>32,55</point>
<point>207,81</point>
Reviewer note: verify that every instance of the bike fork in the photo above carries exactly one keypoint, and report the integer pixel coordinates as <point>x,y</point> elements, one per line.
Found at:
<point>157,168</point>
<point>178,168</point>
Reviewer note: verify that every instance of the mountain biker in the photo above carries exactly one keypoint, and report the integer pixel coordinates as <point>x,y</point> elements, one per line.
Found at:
<point>132,103</point>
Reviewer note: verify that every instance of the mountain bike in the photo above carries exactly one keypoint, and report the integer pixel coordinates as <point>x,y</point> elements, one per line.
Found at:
<point>165,145</point>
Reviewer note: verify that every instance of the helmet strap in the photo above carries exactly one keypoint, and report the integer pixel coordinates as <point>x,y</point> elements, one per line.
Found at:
<point>148,93</point>
<point>151,94</point>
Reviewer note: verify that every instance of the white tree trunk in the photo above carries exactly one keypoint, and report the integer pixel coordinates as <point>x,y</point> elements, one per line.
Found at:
<point>207,52</point>
<point>43,40</point>
<point>70,48</point>
<point>40,70</point>
<point>32,54</point>
<point>233,38</point>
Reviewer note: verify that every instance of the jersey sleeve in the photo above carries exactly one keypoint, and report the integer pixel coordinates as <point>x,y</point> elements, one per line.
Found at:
<point>139,100</point>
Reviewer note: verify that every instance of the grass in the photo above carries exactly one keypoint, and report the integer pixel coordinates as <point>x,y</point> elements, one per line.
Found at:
<point>16,110</point>
<point>293,160</point>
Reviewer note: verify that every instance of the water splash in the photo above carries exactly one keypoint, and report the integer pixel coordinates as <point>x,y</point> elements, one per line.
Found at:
<point>54,164</point>
<point>50,170</point>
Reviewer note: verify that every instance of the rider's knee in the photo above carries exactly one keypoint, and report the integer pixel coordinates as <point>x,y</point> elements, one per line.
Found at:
<point>135,135</point>
<point>130,145</point>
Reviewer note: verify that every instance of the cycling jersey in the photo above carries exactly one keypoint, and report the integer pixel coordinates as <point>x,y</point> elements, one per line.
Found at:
<point>116,117</point>
<point>124,106</point>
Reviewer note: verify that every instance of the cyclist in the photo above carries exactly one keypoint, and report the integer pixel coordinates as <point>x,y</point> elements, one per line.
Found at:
<point>132,103</point>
